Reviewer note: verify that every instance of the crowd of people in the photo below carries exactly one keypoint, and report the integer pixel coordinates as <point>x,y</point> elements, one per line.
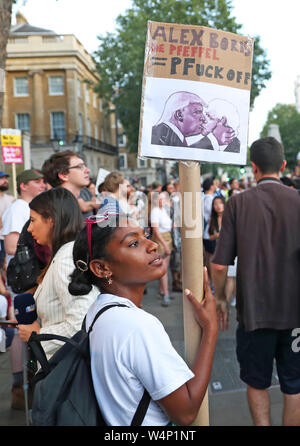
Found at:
<point>55,206</point>
<point>115,239</point>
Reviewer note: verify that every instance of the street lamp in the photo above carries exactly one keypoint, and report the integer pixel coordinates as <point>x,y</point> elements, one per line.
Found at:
<point>77,141</point>
<point>116,94</point>
<point>57,142</point>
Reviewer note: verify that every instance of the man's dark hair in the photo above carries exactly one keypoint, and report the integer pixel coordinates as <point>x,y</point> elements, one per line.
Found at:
<point>287,182</point>
<point>57,163</point>
<point>207,183</point>
<point>297,183</point>
<point>268,154</point>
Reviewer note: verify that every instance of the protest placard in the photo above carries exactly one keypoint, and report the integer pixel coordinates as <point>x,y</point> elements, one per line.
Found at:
<point>102,174</point>
<point>196,94</point>
<point>12,153</point>
<point>11,146</point>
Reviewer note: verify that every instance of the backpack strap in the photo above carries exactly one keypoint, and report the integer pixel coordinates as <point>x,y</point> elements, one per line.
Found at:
<point>102,311</point>
<point>141,410</point>
<point>39,352</point>
<point>35,340</point>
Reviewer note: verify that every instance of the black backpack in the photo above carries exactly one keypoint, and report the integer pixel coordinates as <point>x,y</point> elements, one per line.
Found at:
<point>25,267</point>
<point>63,392</point>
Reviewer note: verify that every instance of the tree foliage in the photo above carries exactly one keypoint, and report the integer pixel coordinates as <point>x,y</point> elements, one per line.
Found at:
<point>120,57</point>
<point>288,120</point>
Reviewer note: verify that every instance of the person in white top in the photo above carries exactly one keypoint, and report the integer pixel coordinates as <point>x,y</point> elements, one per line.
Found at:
<point>30,183</point>
<point>130,350</point>
<point>5,201</point>
<point>55,220</point>
<point>161,224</point>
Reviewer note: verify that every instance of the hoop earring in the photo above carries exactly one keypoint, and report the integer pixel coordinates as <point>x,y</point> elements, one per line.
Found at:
<point>81,265</point>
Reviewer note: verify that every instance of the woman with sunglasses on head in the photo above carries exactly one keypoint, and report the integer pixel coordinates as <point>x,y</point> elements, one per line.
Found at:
<point>130,350</point>
<point>55,220</point>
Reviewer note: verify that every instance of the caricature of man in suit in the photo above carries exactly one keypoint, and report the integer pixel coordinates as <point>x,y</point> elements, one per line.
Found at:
<point>221,128</point>
<point>182,117</point>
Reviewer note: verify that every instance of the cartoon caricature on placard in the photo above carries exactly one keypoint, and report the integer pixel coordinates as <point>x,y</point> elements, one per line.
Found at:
<point>196,94</point>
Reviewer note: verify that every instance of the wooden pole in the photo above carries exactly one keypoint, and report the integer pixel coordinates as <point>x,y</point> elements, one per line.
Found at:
<point>14,180</point>
<point>192,264</point>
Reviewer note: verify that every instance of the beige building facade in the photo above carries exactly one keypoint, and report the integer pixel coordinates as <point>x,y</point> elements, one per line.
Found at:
<point>49,94</point>
<point>142,171</point>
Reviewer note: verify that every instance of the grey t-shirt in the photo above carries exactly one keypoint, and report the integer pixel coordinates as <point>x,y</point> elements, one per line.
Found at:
<point>86,195</point>
<point>261,226</point>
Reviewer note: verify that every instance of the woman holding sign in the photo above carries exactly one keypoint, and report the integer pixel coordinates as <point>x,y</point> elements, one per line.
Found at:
<point>130,350</point>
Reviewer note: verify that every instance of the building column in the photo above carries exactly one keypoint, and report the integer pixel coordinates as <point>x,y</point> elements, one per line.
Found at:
<point>26,150</point>
<point>72,123</point>
<point>37,116</point>
<point>5,112</point>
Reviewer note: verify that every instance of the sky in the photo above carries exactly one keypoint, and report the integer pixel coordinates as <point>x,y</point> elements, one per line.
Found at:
<point>276,23</point>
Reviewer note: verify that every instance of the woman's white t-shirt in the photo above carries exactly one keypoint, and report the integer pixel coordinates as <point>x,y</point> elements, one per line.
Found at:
<point>160,217</point>
<point>14,218</point>
<point>131,352</point>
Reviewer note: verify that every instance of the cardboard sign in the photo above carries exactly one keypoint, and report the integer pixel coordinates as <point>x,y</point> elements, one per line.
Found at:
<point>196,94</point>
<point>11,146</point>
<point>10,140</point>
<point>12,155</point>
<point>102,174</point>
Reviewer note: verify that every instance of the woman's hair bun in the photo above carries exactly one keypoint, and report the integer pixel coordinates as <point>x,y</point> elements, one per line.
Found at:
<point>80,283</point>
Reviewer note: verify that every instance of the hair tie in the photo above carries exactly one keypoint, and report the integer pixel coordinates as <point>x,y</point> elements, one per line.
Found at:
<point>81,265</point>
<point>95,219</point>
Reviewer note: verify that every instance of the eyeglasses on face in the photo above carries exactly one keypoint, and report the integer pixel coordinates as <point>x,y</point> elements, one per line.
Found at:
<point>80,166</point>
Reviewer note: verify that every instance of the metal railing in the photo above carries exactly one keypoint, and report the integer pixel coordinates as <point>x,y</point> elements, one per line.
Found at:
<point>85,141</point>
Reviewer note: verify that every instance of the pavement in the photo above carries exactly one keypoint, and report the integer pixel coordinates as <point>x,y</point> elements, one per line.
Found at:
<point>226,392</point>
<point>227,397</point>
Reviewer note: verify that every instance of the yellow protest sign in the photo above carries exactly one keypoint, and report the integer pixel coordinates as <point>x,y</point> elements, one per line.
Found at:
<point>10,140</point>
